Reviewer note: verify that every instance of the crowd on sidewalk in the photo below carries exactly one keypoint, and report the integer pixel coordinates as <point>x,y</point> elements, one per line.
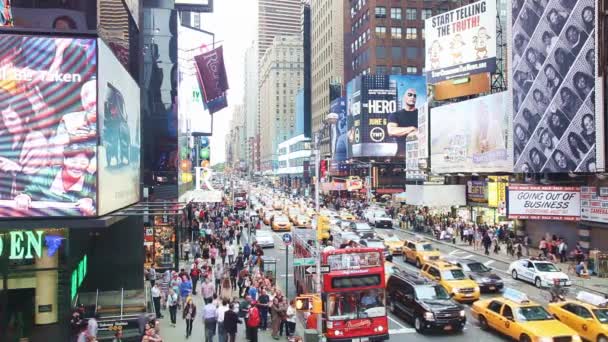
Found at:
<point>228,273</point>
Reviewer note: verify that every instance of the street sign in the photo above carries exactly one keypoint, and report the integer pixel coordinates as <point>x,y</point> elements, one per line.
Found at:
<point>304,262</point>
<point>313,270</point>
<point>287,239</point>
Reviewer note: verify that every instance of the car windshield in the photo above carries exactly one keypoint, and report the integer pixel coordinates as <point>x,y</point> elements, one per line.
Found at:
<point>453,275</point>
<point>545,267</point>
<point>431,293</point>
<point>380,214</point>
<point>477,267</point>
<point>533,313</point>
<point>601,315</point>
<point>425,247</point>
<point>356,304</point>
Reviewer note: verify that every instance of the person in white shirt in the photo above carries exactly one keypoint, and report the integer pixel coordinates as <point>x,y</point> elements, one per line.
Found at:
<point>291,318</point>
<point>92,326</point>
<point>230,253</point>
<point>172,304</point>
<point>221,311</point>
<point>156,299</point>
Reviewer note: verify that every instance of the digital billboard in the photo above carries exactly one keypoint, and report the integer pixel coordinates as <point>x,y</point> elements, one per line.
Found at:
<point>553,72</point>
<point>532,202</point>
<point>339,130</point>
<point>461,42</point>
<point>48,126</point>
<point>48,16</point>
<point>382,112</point>
<point>119,130</point>
<point>471,136</point>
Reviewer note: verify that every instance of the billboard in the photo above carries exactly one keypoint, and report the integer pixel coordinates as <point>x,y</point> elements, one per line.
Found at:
<point>48,126</point>
<point>47,16</point>
<point>553,75</point>
<point>382,111</point>
<point>471,136</point>
<point>477,192</point>
<point>339,130</point>
<point>119,130</point>
<point>194,5</point>
<point>531,202</point>
<point>594,204</point>
<point>461,42</point>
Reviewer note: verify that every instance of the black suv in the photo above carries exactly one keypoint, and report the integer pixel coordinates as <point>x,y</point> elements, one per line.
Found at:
<point>425,303</point>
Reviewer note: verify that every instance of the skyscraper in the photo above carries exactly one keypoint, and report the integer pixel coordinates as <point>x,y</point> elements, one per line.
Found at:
<point>250,101</point>
<point>277,17</point>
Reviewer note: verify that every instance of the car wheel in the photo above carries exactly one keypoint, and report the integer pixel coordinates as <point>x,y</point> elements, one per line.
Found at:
<point>602,338</point>
<point>483,323</point>
<point>419,325</point>
<point>418,263</point>
<point>514,274</point>
<point>537,282</point>
<point>524,338</point>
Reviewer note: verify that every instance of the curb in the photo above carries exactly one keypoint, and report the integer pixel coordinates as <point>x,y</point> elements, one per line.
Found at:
<point>503,260</point>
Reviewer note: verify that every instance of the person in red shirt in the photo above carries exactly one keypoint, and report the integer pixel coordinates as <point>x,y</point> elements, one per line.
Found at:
<point>311,321</point>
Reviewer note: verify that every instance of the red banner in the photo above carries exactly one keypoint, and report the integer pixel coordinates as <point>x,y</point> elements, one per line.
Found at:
<point>212,74</point>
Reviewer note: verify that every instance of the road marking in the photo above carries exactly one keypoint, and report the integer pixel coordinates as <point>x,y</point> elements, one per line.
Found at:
<point>284,275</point>
<point>396,322</point>
<point>456,251</point>
<point>468,256</point>
<point>401,331</point>
<point>488,263</point>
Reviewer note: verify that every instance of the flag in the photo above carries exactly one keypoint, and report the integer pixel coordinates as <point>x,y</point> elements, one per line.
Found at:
<point>211,74</point>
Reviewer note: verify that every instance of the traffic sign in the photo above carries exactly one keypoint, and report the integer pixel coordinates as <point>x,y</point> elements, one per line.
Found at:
<point>313,270</point>
<point>303,261</point>
<point>287,239</point>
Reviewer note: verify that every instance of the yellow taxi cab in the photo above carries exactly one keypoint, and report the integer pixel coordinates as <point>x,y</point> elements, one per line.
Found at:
<point>346,216</point>
<point>453,280</point>
<point>515,316</point>
<point>280,223</point>
<point>302,221</point>
<point>277,204</point>
<point>419,251</point>
<point>394,244</point>
<point>292,213</point>
<point>587,315</point>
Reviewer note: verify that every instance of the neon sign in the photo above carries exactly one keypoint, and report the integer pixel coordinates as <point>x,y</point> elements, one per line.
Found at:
<point>78,275</point>
<point>29,244</point>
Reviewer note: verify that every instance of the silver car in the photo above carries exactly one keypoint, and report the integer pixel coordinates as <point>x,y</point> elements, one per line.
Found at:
<point>264,239</point>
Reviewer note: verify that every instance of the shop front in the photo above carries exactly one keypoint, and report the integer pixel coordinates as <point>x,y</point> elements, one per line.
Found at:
<point>160,243</point>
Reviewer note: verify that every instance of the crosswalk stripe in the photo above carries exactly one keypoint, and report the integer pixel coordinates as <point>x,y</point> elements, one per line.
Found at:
<point>468,256</point>
<point>401,331</point>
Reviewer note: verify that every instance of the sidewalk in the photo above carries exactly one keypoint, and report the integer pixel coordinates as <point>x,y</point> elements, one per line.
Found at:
<point>593,284</point>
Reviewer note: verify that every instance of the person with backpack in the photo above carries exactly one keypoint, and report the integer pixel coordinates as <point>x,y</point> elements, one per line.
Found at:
<point>195,274</point>
<point>253,322</point>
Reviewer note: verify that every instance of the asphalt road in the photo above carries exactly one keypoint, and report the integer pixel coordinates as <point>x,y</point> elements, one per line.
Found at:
<point>399,328</point>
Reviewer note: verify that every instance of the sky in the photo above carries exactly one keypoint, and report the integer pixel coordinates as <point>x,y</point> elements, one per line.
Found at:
<point>234,24</point>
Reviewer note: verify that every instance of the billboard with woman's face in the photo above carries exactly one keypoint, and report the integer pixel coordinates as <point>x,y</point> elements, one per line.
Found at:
<point>48,126</point>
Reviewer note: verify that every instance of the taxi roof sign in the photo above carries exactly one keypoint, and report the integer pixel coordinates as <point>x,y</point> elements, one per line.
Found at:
<point>516,296</point>
<point>593,299</point>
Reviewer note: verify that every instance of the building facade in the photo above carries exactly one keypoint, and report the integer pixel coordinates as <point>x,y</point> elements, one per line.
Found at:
<point>293,156</point>
<point>276,17</point>
<point>386,36</point>
<point>327,44</point>
<point>250,101</point>
<point>281,76</point>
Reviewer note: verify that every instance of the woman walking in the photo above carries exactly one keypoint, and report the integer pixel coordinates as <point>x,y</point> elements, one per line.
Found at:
<point>189,315</point>
<point>275,318</point>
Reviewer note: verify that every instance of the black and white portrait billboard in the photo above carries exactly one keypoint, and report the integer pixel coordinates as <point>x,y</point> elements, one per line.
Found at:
<point>553,77</point>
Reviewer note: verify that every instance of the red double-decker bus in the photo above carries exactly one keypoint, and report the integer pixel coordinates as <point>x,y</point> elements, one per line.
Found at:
<point>352,289</point>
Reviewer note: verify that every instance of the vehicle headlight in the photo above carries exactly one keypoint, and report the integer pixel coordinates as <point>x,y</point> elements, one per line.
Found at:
<point>429,316</point>
<point>544,339</point>
<point>476,289</point>
<point>456,289</point>
<point>425,257</point>
<point>379,328</point>
<point>576,338</point>
<point>462,313</point>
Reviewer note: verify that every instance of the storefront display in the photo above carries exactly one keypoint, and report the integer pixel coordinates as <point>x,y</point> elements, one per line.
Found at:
<point>159,242</point>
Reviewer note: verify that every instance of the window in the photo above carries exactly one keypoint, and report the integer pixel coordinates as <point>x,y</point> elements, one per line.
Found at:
<point>380,31</point>
<point>411,33</point>
<point>396,52</point>
<point>380,52</point>
<point>495,306</point>
<point>380,70</point>
<point>396,13</point>
<point>411,14</point>
<point>396,70</point>
<point>426,13</point>
<point>411,52</point>
<point>507,312</point>
<point>396,32</point>
<point>412,70</point>
<point>380,12</point>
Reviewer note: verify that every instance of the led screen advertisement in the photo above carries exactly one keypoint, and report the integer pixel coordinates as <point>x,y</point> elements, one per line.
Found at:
<point>461,42</point>
<point>48,126</point>
<point>553,71</point>
<point>339,130</point>
<point>532,202</point>
<point>119,130</point>
<point>471,136</point>
<point>382,112</point>
<point>77,16</point>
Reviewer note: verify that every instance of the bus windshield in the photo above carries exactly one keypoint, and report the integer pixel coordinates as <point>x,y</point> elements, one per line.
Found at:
<point>356,304</point>
<point>354,260</point>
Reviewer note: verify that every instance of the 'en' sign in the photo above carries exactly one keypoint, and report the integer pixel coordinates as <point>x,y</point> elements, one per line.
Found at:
<point>23,245</point>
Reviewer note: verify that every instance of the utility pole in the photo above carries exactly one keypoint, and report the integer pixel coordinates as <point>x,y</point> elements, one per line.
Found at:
<point>317,153</point>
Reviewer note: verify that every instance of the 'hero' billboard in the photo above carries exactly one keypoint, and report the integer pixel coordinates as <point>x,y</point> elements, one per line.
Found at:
<point>461,42</point>
<point>382,112</point>
<point>48,126</point>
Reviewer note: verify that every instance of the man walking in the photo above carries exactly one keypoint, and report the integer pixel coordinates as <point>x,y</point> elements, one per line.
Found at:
<point>221,314</point>
<point>210,320</point>
<point>172,303</point>
<point>156,299</point>
<point>253,322</point>
<point>231,319</point>
<point>208,290</point>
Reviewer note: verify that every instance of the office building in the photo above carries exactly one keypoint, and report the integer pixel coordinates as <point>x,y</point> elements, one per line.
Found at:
<point>276,17</point>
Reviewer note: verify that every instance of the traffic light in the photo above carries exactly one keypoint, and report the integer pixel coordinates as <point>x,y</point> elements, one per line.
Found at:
<point>322,227</point>
<point>309,303</point>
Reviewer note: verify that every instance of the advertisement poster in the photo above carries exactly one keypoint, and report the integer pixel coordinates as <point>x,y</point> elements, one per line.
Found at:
<point>497,191</point>
<point>48,126</point>
<point>382,112</point>
<point>594,204</point>
<point>339,130</point>
<point>119,128</point>
<point>49,15</point>
<point>553,77</point>
<point>461,42</point>
<point>477,192</point>
<point>471,136</point>
<point>530,202</point>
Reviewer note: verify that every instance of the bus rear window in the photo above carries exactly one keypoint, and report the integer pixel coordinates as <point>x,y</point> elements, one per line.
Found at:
<point>355,281</point>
